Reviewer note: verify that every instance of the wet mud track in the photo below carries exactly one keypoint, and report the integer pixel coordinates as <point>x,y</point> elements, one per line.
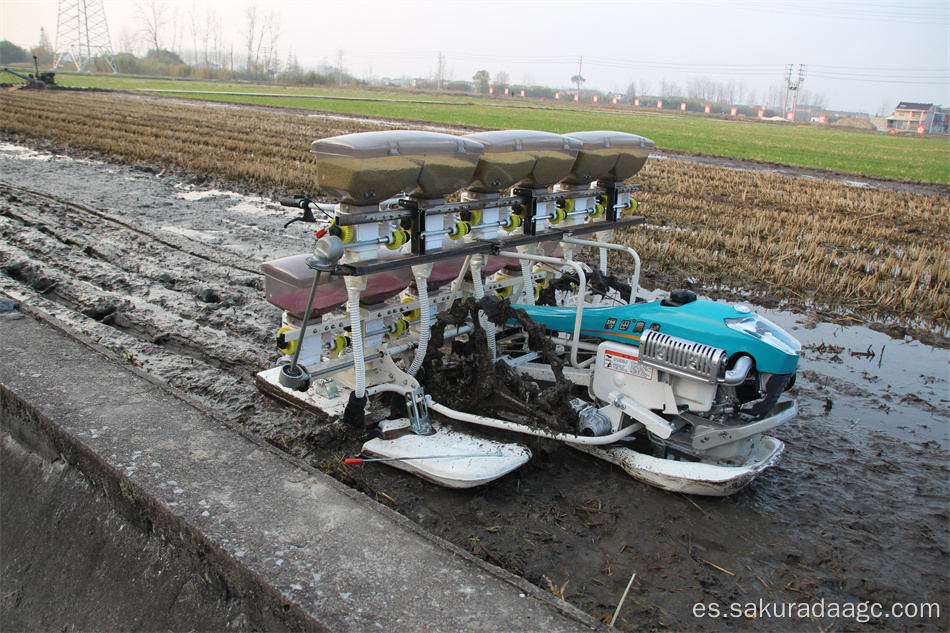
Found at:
<point>165,274</point>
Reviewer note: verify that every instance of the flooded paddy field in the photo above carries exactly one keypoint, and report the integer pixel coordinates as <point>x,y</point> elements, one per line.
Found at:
<point>162,268</point>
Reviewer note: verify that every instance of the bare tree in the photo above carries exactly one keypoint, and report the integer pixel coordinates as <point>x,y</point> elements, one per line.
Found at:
<point>152,16</point>
<point>885,108</point>
<point>292,66</point>
<point>669,89</point>
<point>251,39</point>
<point>271,31</point>
<point>700,89</point>
<point>194,22</point>
<point>178,29</point>
<point>214,34</point>
<point>730,92</point>
<point>775,97</point>
<point>128,41</point>
<point>644,87</point>
<point>501,79</point>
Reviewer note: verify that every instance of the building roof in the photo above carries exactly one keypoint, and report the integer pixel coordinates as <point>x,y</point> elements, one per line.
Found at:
<point>923,107</point>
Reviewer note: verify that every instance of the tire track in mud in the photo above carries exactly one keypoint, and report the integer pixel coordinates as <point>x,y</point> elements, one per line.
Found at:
<point>189,247</point>
<point>170,306</point>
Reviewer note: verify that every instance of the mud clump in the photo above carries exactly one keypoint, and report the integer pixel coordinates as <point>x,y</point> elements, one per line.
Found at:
<point>465,376</point>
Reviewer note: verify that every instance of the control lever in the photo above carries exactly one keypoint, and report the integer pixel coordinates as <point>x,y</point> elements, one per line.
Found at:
<point>307,204</point>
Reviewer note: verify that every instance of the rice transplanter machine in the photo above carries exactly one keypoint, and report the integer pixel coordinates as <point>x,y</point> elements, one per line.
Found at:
<point>481,311</point>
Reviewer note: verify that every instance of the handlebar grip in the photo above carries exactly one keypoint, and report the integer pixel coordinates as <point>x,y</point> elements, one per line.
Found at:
<point>297,203</point>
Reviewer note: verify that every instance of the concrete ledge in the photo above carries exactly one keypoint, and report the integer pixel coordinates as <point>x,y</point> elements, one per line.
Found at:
<point>250,537</point>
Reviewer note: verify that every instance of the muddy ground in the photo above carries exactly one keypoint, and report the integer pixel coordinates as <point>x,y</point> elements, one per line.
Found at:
<point>163,269</point>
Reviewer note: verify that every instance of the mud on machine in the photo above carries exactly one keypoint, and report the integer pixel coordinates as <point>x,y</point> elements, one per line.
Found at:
<point>481,311</point>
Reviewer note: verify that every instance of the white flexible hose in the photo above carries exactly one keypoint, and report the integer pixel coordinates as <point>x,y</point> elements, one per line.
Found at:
<point>528,282</point>
<point>422,273</point>
<point>514,426</point>
<point>356,334</point>
<point>522,428</point>
<point>477,262</point>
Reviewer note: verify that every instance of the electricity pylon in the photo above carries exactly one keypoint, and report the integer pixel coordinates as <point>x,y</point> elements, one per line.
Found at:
<point>82,35</point>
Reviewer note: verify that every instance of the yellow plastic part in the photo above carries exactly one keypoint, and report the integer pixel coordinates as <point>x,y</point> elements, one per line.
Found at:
<point>559,215</point>
<point>475,217</point>
<point>347,233</point>
<point>599,208</point>
<point>291,346</point>
<point>412,315</point>
<point>631,206</point>
<point>567,204</point>
<point>399,327</point>
<point>504,291</point>
<point>339,344</point>
<point>514,221</point>
<point>460,230</point>
<point>397,239</point>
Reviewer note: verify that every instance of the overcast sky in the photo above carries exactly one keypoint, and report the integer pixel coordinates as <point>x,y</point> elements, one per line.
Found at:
<point>858,55</point>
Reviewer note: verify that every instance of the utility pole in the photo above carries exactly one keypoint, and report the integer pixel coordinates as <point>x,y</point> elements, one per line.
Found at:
<point>82,34</point>
<point>788,82</point>
<point>792,86</point>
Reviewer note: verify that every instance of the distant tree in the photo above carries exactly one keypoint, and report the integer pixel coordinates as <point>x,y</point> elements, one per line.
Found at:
<point>10,53</point>
<point>631,91</point>
<point>459,86</point>
<point>482,80</point>
<point>292,66</point>
<point>885,108</point>
<point>163,57</point>
<point>577,80</point>
<point>251,38</point>
<point>152,16</point>
<point>271,32</point>
<point>501,79</point>
<point>194,24</point>
<point>644,87</point>
<point>669,89</point>
<point>816,99</point>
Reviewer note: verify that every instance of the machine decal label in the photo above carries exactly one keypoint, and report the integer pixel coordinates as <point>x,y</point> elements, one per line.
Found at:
<point>627,364</point>
<point>609,325</point>
<point>638,327</point>
<point>655,327</point>
<point>624,325</point>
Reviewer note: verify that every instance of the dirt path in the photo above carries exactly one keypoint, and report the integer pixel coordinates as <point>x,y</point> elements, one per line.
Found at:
<point>164,272</point>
